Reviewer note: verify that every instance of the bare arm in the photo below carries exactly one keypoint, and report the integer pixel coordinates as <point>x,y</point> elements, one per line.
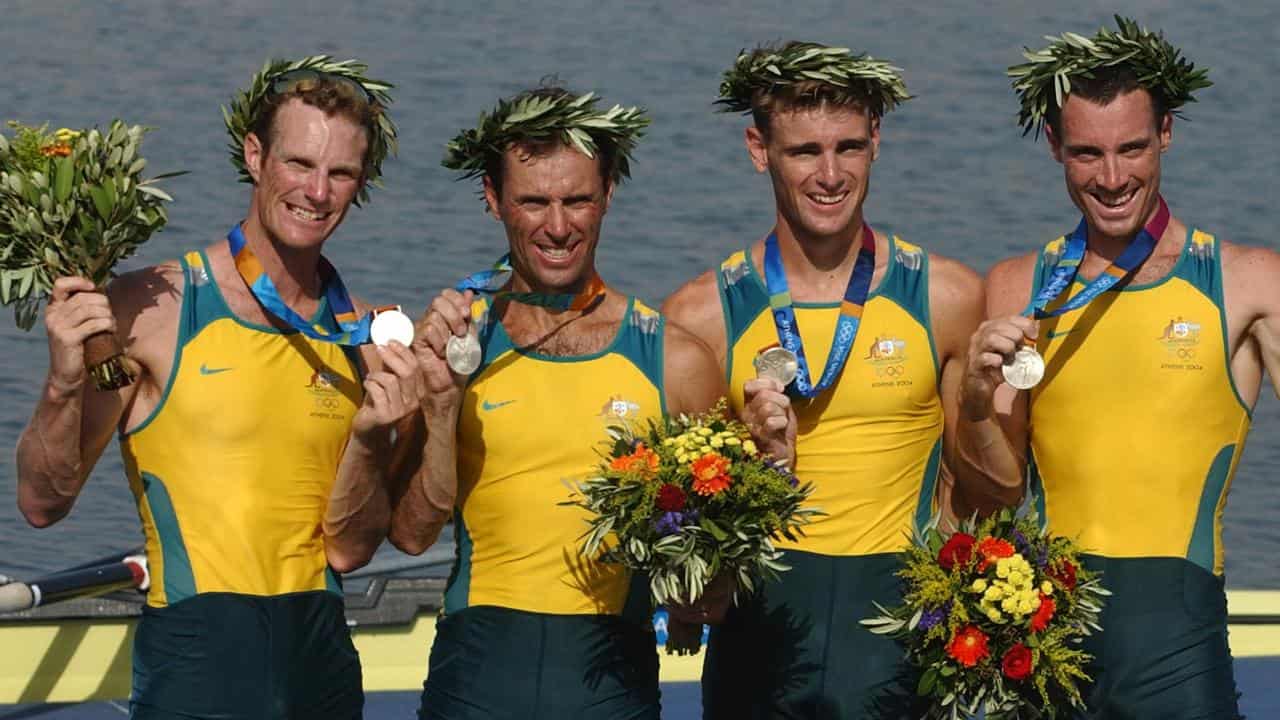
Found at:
<point>427,488</point>
<point>956,306</point>
<point>1252,301</point>
<point>991,439</point>
<point>693,380</point>
<point>73,421</point>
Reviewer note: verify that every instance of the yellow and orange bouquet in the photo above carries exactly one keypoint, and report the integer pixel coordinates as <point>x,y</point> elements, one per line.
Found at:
<point>993,617</point>
<point>689,498</point>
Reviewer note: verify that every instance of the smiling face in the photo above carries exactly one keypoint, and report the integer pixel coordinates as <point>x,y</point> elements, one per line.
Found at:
<point>1111,157</point>
<point>819,159</point>
<point>305,183</point>
<point>552,204</point>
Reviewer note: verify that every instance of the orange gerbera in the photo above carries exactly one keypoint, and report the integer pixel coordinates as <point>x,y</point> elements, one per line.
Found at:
<point>992,549</point>
<point>969,646</point>
<point>1044,614</point>
<point>642,461</point>
<point>56,150</point>
<point>711,474</point>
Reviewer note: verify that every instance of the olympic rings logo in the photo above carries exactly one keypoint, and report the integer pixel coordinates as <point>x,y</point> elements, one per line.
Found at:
<point>327,403</point>
<point>890,371</point>
<point>1186,353</point>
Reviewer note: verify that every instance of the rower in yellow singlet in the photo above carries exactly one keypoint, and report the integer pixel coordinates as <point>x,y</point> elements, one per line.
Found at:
<point>256,434</point>
<point>870,433</point>
<point>531,628</point>
<point>1154,335</point>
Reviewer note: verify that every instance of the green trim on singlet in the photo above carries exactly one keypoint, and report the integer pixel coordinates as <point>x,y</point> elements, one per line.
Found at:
<point>1035,487</point>
<point>179,581</point>
<point>1202,549</point>
<point>333,581</point>
<point>458,588</point>
<point>184,334</point>
<point>928,486</point>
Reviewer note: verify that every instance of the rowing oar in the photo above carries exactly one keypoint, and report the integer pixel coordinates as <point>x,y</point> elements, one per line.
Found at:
<point>128,572</point>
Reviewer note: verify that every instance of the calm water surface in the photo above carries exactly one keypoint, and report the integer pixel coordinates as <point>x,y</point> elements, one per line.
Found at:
<point>953,175</point>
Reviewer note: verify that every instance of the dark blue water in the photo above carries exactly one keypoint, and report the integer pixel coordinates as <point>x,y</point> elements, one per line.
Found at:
<point>954,173</point>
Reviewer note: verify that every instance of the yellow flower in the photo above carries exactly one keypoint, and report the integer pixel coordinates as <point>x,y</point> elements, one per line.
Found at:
<point>994,615</point>
<point>992,593</point>
<point>1046,587</point>
<point>704,431</point>
<point>1015,578</point>
<point>731,440</point>
<point>669,442</point>
<point>979,585</point>
<point>750,447</point>
<point>717,442</point>
<point>64,135</point>
<point>1009,604</point>
<point>682,457</point>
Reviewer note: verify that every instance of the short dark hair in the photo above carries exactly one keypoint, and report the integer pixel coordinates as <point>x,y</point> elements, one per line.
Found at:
<point>331,94</point>
<point>606,144</point>
<point>1107,84</point>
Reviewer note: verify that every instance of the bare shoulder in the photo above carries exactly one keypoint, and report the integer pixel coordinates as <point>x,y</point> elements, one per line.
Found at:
<point>695,306</point>
<point>952,281</point>
<point>1248,279</point>
<point>955,304</point>
<point>1008,284</point>
<point>147,294</point>
<point>686,349</point>
<point>693,379</point>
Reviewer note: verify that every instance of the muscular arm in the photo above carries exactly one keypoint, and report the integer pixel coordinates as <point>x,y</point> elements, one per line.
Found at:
<point>1252,301</point>
<point>956,307</point>
<point>693,379</point>
<point>991,438</point>
<point>696,308</point>
<point>72,421</point>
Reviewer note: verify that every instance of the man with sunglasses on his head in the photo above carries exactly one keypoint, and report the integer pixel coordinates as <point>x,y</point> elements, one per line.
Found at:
<point>255,431</point>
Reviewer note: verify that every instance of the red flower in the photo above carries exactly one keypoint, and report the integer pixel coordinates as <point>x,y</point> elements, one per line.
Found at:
<point>1044,613</point>
<point>642,461</point>
<point>711,474</point>
<point>969,646</point>
<point>992,549</point>
<point>1064,573</point>
<point>957,551</point>
<point>670,498</point>
<point>1017,663</point>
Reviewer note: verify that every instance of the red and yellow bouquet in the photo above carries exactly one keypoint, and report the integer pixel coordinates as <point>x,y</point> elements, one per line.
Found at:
<point>993,617</point>
<point>689,499</point>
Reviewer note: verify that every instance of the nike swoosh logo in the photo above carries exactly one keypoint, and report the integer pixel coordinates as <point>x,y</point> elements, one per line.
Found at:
<point>487,406</point>
<point>1060,333</point>
<point>206,370</point>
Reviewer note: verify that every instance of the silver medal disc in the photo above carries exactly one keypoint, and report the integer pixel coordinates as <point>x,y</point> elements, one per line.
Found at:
<point>391,325</point>
<point>1025,370</point>
<point>463,353</point>
<point>777,363</point>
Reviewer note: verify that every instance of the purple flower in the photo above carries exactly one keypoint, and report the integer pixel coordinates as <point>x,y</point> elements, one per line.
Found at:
<point>669,523</point>
<point>781,468</point>
<point>1038,552</point>
<point>934,616</point>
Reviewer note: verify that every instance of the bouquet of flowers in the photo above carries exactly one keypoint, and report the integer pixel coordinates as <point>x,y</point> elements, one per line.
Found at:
<point>73,203</point>
<point>993,617</point>
<point>689,499</point>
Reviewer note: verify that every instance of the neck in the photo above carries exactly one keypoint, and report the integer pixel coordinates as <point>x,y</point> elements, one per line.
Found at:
<point>810,256</point>
<point>294,271</point>
<point>1110,247</point>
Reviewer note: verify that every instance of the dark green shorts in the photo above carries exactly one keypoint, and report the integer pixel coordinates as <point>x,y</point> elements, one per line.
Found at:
<point>1163,651</point>
<point>796,650</point>
<point>496,663</point>
<point>240,657</point>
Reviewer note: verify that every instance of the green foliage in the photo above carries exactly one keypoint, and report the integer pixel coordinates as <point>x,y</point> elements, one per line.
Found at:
<point>1046,76</point>
<point>71,203</point>
<point>940,602</point>
<point>540,116</point>
<point>724,528</point>
<point>767,69</point>
<point>240,117</point>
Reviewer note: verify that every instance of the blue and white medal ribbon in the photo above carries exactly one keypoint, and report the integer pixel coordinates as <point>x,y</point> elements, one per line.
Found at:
<point>784,314</point>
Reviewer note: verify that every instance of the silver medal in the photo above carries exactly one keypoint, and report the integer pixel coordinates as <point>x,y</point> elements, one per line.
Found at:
<point>391,325</point>
<point>777,363</point>
<point>463,353</point>
<point>1025,370</point>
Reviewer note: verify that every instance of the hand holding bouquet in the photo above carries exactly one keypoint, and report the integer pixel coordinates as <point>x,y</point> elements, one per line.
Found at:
<point>691,501</point>
<point>993,617</point>
<point>73,203</point>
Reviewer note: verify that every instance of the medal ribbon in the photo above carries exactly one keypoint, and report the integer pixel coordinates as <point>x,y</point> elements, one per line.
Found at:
<point>355,329</point>
<point>491,282</point>
<point>1068,265</point>
<point>784,314</point>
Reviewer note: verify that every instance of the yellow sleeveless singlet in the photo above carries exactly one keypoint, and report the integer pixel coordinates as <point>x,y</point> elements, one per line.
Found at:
<point>232,470</point>
<point>529,423</point>
<point>1137,426</point>
<point>870,444</point>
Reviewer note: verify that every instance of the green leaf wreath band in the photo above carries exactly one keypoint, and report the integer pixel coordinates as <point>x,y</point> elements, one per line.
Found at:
<point>535,116</point>
<point>768,69</point>
<point>1047,74</point>
<point>241,115</point>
